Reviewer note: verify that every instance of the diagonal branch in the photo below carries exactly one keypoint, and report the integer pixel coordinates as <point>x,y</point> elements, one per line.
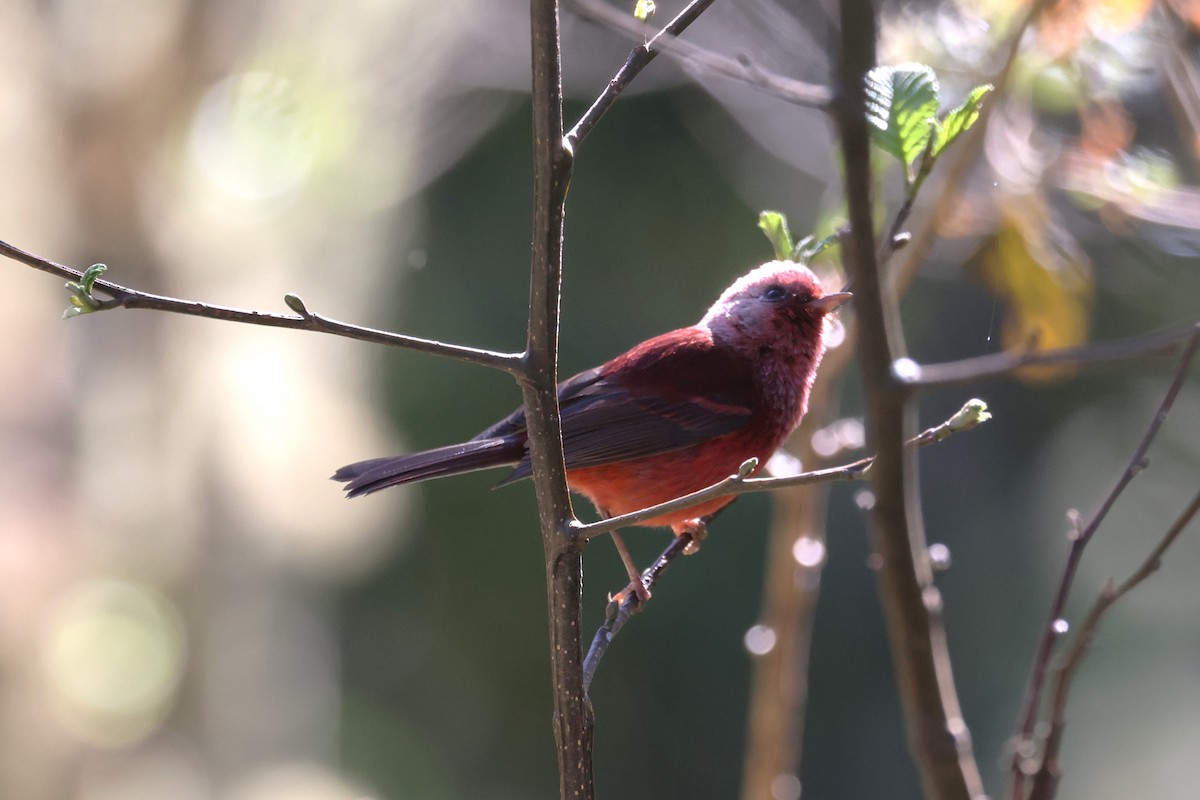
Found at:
<point>1080,536</point>
<point>793,91</point>
<point>1045,782</point>
<point>305,320</point>
<point>966,418</point>
<point>626,604</point>
<point>638,58</point>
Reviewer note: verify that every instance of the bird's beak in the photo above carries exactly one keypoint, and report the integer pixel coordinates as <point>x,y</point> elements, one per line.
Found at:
<point>830,301</point>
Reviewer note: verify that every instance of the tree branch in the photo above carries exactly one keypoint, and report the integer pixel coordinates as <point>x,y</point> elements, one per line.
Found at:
<point>799,93</point>
<point>973,369</point>
<point>1045,782</point>
<point>1080,536</point>
<point>562,546</point>
<point>125,297</point>
<point>638,58</point>
<point>937,735</point>
<point>966,418</point>
<point>619,611</point>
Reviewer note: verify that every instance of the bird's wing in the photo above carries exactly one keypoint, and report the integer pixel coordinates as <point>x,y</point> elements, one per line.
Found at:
<point>671,392</point>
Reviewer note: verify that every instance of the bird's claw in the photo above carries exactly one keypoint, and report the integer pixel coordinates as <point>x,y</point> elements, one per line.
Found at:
<point>695,530</point>
<point>635,592</point>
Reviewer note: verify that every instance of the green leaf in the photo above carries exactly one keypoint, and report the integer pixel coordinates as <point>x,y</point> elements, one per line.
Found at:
<point>774,225</point>
<point>644,10</point>
<point>81,299</point>
<point>902,106</point>
<point>959,120</point>
<point>809,248</point>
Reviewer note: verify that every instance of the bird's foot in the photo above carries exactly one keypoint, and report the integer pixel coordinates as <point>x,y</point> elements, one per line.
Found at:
<point>695,530</point>
<point>636,593</point>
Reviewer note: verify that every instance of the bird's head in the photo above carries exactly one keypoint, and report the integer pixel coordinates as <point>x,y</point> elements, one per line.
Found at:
<point>780,304</point>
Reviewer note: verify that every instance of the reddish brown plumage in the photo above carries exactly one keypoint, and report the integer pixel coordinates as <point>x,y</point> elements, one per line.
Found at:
<point>674,414</point>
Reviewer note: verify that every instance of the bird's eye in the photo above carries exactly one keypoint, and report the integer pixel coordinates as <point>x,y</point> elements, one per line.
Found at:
<point>774,293</point>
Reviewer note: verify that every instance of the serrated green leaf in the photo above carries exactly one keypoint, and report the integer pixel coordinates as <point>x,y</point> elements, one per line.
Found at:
<point>644,10</point>
<point>774,225</point>
<point>902,106</point>
<point>959,120</point>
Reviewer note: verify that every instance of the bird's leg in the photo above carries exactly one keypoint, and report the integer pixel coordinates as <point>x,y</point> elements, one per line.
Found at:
<point>688,537</point>
<point>636,580</point>
<point>697,529</point>
<point>627,602</point>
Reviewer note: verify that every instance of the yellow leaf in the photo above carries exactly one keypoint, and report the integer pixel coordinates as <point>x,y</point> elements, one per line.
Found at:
<point>1044,280</point>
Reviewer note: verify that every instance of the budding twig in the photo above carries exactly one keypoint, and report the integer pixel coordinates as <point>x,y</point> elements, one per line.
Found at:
<point>969,416</point>
<point>124,297</point>
<point>625,605</point>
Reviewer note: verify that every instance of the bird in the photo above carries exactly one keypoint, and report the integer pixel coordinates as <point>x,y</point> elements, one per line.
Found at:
<point>672,415</point>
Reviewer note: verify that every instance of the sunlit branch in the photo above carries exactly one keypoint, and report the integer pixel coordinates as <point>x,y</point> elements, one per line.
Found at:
<point>972,369</point>
<point>690,55</point>
<point>968,417</point>
<point>638,58</point>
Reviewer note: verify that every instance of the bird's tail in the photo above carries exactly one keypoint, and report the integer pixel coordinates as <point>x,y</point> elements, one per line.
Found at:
<point>365,477</point>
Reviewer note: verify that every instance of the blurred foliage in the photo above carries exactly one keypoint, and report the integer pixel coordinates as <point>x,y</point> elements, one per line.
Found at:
<point>1045,285</point>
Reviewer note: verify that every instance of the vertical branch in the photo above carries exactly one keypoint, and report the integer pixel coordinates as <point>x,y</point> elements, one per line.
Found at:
<point>563,548</point>
<point>936,734</point>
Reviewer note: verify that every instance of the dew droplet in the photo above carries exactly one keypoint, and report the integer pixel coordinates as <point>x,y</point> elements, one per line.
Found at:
<point>808,552</point>
<point>785,787</point>
<point>783,464</point>
<point>939,557</point>
<point>759,640</point>
<point>1060,626</point>
<point>825,442</point>
<point>906,370</point>
<point>932,599</point>
<point>851,433</point>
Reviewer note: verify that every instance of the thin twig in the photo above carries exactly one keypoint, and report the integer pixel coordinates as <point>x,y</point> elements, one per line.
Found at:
<point>733,485</point>
<point>638,58</point>
<point>972,369</point>
<point>966,418</point>
<point>626,604</point>
<point>125,297</point>
<point>1045,782</point>
<point>808,95</point>
<point>1080,536</point>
